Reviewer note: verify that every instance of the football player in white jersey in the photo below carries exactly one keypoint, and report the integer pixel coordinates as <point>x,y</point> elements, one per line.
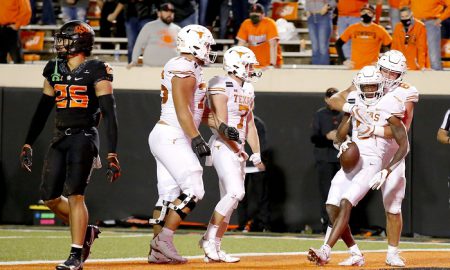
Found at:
<point>231,100</point>
<point>175,141</point>
<point>348,189</point>
<point>392,66</point>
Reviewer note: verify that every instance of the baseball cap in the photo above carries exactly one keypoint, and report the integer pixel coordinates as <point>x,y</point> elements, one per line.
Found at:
<point>167,7</point>
<point>330,91</point>
<point>368,7</point>
<point>256,8</point>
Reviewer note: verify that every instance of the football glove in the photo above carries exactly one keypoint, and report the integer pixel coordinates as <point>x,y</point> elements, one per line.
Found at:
<point>26,157</point>
<point>113,170</point>
<point>343,147</point>
<point>358,112</point>
<point>364,130</point>
<point>200,147</point>
<point>255,158</point>
<point>378,179</point>
<point>230,133</point>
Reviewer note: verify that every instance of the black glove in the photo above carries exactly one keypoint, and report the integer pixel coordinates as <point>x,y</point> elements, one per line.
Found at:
<point>200,147</point>
<point>113,171</point>
<point>26,157</point>
<point>230,133</point>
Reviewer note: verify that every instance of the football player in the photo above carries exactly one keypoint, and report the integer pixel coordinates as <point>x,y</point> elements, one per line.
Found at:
<point>82,92</point>
<point>231,99</point>
<point>175,141</point>
<point>392,66</point>
<point>348,189</point>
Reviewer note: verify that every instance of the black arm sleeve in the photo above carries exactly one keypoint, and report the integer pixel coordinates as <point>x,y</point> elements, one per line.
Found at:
<point>108,108</point>
<point>41,114</point>
<point>341,57</point>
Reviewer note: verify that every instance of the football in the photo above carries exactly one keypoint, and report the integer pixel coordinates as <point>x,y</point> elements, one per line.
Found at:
<point>349,158</point>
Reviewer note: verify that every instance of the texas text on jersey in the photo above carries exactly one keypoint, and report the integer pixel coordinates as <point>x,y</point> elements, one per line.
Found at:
<point>76,102</point>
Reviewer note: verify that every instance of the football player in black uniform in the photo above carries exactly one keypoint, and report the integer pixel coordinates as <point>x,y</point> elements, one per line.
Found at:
<point>82,92</point>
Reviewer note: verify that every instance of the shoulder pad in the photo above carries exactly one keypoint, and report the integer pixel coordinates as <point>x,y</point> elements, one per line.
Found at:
<point>218,85</point>
<point>181,67</point>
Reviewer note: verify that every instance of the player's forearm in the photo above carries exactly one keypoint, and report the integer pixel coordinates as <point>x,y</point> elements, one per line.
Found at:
<point>401,137</point>
<point>338,100</point>
<point>343,129</point>
<point>253,139</point>
<point>442,136</point>
<point>186,120</point>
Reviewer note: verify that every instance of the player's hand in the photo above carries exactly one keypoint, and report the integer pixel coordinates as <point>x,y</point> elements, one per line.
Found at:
<point>378,179</point>
<point>200,147</point>
<point>364,130</point>
<point>361,115</point>
<point>343,147</point>
<point>231,133</point>
<point>113,170</point>
<point>26,157</point>
<point>255,158</point>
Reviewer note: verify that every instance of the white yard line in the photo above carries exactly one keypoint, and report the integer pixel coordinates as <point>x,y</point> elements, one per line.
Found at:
<point>201,256</point>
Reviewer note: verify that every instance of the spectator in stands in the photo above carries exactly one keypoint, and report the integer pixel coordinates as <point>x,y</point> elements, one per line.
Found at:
<point>260,34</point>
<point>431,13</point>
<point>137,14</point>
<point>443,132</point>
<point>240,11</point>
<point>410,37</point>
<point>74,9</point>
<point>367,39</point>
<point>324,127</point>
<point>185,12</point>
<point>157,40</point>
<point>13,15</point>
<point>47,15</point>
<point>107,28</point>
<point>348,14</point>
<point>319,14</point>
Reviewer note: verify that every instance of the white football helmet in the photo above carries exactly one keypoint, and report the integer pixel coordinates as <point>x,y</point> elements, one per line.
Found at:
<point>239,60</point>
<point>196,40</point>
<point>369,85</point>
<point>393,61</point>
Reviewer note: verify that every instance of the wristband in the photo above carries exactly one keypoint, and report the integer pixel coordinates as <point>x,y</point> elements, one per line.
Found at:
<point>378,131</point>
<point>347,107</point>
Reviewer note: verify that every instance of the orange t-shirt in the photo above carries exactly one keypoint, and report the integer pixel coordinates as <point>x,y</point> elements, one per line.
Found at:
<point>351,8</point>
<point>428,9</point>
<point>415,49</point>
<point>366,42</point>
<point>258,38</point>
<point>394,3</point>
<point>16,12</point>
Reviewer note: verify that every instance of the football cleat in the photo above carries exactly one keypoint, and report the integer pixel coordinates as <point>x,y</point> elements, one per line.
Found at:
<point>318,256</point>
<point>209,248</point>
<point>353,260</point>
<point>92,233</point>
<point>164,245</point>
<point>394,259</point>
<point>72,263</point>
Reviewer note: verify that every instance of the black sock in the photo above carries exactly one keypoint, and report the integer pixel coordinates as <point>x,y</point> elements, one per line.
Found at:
<point>76,251</point>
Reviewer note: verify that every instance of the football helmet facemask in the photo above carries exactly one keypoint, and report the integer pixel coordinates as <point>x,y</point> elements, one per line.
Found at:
<point>392,63</point>
<point>239,60</point>
<point>196,40</point>
<point>74,37</point>
<point>369,85</point>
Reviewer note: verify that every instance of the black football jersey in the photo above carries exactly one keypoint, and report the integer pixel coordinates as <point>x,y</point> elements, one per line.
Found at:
<point>76,103</point>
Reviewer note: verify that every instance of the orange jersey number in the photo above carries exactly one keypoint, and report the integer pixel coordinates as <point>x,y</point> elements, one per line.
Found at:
<point>244,109</point>
<point>73,96</point>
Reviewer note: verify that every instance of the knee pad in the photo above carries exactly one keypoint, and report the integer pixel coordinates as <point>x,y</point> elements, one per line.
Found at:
<point>227,204</point>
<point>187,200</point>
<point>193,185</point>
<point>161,219</point>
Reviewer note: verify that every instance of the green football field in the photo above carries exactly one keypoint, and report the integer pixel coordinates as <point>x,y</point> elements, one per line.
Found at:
<point>28,243</point>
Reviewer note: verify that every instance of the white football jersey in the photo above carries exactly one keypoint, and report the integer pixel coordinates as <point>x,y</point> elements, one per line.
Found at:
<point>389,105</point>
<point>240,101</point>
<point>181,67</point>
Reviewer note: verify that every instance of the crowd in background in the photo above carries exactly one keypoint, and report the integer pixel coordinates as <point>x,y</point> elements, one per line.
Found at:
<point>415,26</point>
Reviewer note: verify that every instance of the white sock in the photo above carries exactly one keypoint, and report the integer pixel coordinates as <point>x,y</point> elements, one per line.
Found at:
<point>76,246</point>
<point>167,232</point>
<point>327,249</point>
<point>218,243</point>
<point>327,234</point>
<point>355,249</point>
<point>211,232</point>
<point>392,249</point>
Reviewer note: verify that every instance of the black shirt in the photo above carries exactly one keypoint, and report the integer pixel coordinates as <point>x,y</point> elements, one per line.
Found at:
<point>325,120</point>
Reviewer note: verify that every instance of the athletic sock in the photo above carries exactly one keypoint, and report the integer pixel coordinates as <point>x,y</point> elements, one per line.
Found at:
<point>355,250</point>
<point>327,234</point>
<point>392,250</point>
<point>211,232</point>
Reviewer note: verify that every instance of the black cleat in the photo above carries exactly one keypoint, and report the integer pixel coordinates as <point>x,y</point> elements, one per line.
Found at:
<point>92,233</point>
<point>72,263</point>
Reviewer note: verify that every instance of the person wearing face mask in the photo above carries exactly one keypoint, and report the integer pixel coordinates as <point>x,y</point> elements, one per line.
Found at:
<point>410,37</point>
<point>367,39</point>
<point>259,33</point>
<point>157,39</point>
